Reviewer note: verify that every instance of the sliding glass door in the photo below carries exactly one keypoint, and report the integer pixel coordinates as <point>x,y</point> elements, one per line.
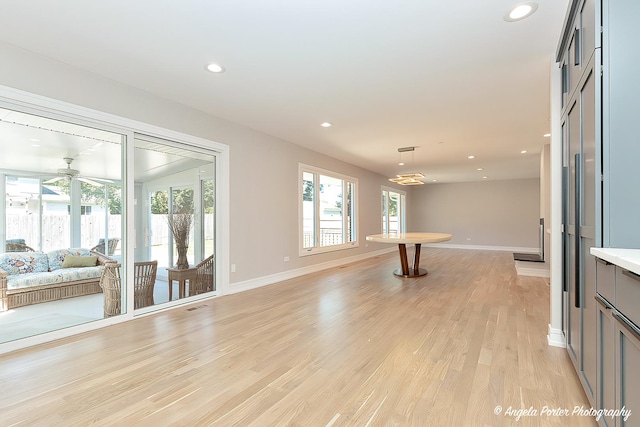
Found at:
<point>175,185</point>
<point>61,183</point>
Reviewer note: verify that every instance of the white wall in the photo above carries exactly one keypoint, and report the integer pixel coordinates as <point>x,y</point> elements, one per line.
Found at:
<point>263,170</point>
<point>487,213</point>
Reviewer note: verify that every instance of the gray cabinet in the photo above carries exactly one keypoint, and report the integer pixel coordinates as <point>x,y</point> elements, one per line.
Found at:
<point>581,160</point>
<point>627,369</point>
<point>601,169</point>
<point>618,343</point>
<point>606,375</point>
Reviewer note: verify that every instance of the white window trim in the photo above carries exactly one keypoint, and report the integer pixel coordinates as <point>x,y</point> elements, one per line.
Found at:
<point>302,251</point>
<point>403,214</point>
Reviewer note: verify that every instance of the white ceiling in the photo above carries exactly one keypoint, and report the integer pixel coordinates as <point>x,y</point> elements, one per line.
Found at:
<point>451,78</point>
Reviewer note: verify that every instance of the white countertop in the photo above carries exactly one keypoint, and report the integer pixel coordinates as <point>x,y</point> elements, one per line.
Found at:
<point>626,258</point>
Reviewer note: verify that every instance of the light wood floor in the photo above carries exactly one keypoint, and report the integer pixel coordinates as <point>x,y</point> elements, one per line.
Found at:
<point>348,346</point>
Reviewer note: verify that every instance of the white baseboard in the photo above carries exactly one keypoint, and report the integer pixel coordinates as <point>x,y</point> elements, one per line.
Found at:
<point>555,338</point>
<point>483,247</point>
<point>291,274</point>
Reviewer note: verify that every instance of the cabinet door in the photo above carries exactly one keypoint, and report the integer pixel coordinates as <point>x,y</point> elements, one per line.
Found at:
<point>574,330</point>
<point>605,389</point>
<point>587,230</point>
<point>589,29</point>
<point>575,69</point>
<point>627,370</point>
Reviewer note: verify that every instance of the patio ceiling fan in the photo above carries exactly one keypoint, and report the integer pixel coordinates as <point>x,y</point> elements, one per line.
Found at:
<point>69,174</point>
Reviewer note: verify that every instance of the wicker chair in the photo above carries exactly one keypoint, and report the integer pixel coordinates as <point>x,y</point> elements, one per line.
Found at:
<point>144,280</point>
<point>111,283</point>
<point>17,245</point>
<point>113,244</point>
<point>204,277</point>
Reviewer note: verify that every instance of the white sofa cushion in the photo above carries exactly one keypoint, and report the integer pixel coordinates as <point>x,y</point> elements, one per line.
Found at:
<point>16,263</point>
<point>20,281</point>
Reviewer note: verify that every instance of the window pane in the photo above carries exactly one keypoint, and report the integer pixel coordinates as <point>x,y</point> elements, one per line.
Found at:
<point>114,221</point>
<point>308,210</point>
<point>208,203</point>
<point>393,212</point>
<point>23,214</point>
<point>183,206</point>
<point>385,211</point>
<point>159,232</point>
<point>56,220</point>
<point>350,212</point>
<point>331,200</point>
<point>92,215</point>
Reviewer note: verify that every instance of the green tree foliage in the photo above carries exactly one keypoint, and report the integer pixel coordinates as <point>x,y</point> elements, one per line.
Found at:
<point>160,203</point>
<point>95,195</point>
<point>307,194</point>
<point>183,200</point>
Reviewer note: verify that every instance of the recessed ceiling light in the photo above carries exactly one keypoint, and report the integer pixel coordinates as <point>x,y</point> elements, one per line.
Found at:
<point>435,180</point>
<point>547,135</point>
<point>523,152</point>
<point>401,164</point>
<point>326,125</point>
<point>34,139</point>
<point>520,11</point>
<point>485,177</point>
<point>480,169</point>
<point>215,68</point>
<point>471,157</point>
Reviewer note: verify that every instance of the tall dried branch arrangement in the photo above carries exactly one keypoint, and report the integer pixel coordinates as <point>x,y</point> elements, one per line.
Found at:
<point>180,226</point>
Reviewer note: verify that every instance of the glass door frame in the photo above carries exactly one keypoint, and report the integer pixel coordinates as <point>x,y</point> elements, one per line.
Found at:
<point>18,100</point>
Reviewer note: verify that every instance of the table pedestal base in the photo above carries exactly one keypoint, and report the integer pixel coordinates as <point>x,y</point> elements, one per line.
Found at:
<point>405,270</point>
<point>412,273</point>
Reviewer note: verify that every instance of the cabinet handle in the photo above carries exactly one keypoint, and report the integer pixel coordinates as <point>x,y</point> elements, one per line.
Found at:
<point>631,274</point>
<point>602,261</point>
<point>576,47</point>
<point>603,302</point>
<point>628,325</point>
<point>578,219</point>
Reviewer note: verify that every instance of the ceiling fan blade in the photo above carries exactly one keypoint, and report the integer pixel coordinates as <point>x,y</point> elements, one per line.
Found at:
<point>88,181</point>
<point>100,180</point>
<point>53,180</point>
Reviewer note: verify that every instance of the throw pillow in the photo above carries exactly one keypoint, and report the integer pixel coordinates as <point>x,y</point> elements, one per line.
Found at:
<point>71,261</point>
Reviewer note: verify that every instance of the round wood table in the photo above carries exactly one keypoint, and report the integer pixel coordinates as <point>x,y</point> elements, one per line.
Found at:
<point>402,239</point>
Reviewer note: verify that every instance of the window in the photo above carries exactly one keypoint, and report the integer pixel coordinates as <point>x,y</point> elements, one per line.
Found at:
<point>327,211</point>
<point>393,209</point>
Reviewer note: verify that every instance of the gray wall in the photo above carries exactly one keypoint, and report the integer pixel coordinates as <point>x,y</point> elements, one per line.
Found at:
<point>489,213</point>
<point>263,170</point>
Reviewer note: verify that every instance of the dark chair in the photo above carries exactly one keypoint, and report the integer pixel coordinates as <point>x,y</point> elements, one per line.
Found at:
<point>205,281</point>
